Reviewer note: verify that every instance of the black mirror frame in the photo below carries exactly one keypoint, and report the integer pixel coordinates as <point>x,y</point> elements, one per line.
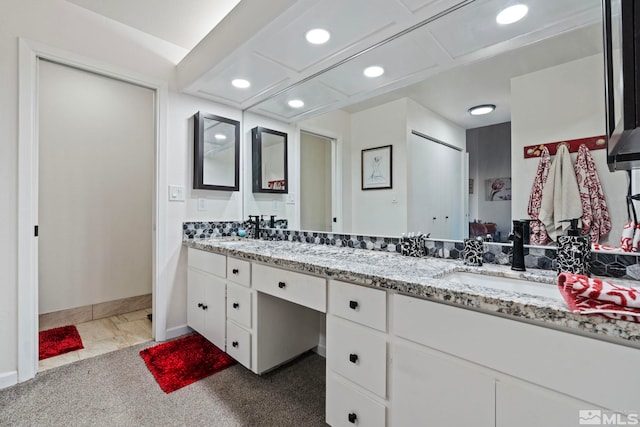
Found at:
<point>256,156</point>
<point>198,152</point>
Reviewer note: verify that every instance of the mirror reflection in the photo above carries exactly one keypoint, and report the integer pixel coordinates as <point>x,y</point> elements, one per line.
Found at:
<point>216,153</point>
<point>544,74</point>
<point>269,154</point>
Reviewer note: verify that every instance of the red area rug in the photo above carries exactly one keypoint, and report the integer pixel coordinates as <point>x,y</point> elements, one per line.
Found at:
<point>57,341</point>
<point>183,361</point>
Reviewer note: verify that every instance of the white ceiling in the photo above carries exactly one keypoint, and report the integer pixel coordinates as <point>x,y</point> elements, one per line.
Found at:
<point>443,65</point>
<point>183,23</point>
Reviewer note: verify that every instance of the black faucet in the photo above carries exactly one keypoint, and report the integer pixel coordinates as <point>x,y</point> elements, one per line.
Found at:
<point>272,222</point>
<point>255,221</point>
<point>517,263</point>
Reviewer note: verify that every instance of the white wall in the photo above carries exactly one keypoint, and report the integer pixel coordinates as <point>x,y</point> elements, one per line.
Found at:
<point>60,24</point>
<point>96,162</point>
<point>374,211</point>
<point>555,104</point>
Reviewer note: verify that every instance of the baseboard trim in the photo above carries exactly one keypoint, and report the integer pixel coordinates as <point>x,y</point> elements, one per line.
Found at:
<point>7,379</point>
<point>321,350</point>
<point>178,331</point>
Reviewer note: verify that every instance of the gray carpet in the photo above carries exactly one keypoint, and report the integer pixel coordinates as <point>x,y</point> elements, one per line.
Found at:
<point>116,389</point>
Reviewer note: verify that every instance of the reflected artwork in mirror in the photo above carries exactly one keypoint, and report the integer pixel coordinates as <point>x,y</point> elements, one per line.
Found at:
<point>216,153</point>
<point>269,154</point>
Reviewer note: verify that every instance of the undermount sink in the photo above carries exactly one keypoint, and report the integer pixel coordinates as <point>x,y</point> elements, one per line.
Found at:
<point>504,283</point>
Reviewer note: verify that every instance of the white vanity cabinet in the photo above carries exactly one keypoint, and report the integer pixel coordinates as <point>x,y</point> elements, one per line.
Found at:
<point>206,287</point>
<point>260,315</point>
<point>356,355</point>
<point>500,371</point>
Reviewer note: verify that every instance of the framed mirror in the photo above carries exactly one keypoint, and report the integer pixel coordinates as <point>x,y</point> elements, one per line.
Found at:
<point>216,153</point>
<point>269,154</point>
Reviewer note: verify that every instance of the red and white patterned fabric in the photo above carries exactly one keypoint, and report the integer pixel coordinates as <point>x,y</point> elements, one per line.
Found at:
<point>595,214</point>
<point>539,234</point>
<point>630,239</point>
<point>594,296</point>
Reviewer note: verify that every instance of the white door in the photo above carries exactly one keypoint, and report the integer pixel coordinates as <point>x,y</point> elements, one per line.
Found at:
<point>316,182</point>
<point>435,192</point>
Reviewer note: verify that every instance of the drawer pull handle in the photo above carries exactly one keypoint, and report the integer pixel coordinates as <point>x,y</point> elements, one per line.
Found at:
<point>204,307</point>
<point>353,305</point>
<point>353,358</point>
<point>235,271</point>
<point>352,418</point>
<point>200,305</point>
<point>236,305</point>
<point>235,344</point>
<point>281,285</point>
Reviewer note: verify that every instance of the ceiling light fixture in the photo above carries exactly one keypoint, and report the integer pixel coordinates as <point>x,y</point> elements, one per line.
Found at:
<point>318,36</point>
<point>479,110</point>
<point>512,14</point>
<point>241,83</point>
<point>220,136</point>
<point>296,103</point>
<point>373,71</point>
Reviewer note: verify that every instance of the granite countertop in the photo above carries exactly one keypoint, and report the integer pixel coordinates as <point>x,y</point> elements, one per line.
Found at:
<point>423,277</point>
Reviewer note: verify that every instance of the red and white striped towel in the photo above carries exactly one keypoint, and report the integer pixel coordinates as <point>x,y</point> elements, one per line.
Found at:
<point>594,296</point>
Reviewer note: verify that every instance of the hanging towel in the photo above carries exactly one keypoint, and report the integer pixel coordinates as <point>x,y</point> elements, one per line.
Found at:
<point>560,195</point>
<point>595,214</point>
<point>594,296</point>
<point>539,234</point>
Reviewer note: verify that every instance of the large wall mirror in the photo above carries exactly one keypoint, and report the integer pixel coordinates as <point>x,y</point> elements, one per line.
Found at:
<point>216,153</point>
<point>543,73</point>
<point>269,156</point>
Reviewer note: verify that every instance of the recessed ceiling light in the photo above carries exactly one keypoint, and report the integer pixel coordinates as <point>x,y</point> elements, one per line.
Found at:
<point>512,14</point>
<point>241,83</point>
<point>318,36</point>
<point>296,103</point>
<point>220,136</point>
<point>374,71</point>
<point>479,110</point>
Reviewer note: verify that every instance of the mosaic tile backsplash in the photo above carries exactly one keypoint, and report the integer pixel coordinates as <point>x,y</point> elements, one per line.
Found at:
<point>618,265</point>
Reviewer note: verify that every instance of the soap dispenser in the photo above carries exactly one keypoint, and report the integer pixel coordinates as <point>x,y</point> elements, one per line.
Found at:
<point>574,251</point>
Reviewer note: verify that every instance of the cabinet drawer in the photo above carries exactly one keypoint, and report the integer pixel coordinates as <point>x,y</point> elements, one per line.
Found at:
<point>207,261</point>
<point>239,305</point>
<point>302,289</point>
<point>363,305</point>
<point>239,344</point>
<point>357,354</point>
<point>239,271</point>
<point>348,407</point>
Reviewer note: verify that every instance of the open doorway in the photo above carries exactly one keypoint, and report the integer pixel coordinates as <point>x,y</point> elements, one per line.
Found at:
<point>317,182</point>
<point>96,150</point>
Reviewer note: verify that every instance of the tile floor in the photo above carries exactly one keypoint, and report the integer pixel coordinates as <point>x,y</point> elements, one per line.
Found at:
<point>104,336</point>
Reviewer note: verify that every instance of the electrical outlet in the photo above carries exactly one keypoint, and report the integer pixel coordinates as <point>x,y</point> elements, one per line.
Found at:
<point>202,204</point>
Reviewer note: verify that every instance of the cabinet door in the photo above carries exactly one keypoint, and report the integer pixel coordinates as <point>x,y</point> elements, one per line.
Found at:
<point>431,388</point>
<point>526,405</point>
<point>206,306</point>
<point>196,299</point>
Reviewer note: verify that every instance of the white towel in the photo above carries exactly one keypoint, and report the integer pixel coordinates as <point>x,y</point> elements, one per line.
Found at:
<point>560,195</point>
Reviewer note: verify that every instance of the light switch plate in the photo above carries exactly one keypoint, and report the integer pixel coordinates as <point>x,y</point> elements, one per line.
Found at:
<point>176,193</point>
<point>202,204</point>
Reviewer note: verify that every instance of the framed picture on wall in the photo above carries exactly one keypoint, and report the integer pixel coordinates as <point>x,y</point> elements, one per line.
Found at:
<point>376,168</point>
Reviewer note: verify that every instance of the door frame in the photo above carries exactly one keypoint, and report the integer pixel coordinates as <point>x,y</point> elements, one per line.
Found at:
<point>336,174</point>
<point>29,52</point>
